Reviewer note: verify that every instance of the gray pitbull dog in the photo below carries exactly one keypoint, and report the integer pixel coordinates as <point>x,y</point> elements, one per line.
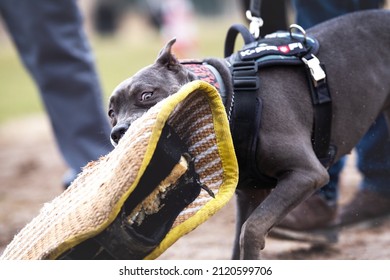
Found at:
<point>354,49</point>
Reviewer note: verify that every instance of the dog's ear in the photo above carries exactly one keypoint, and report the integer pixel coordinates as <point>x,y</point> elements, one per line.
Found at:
<point>167,58</point>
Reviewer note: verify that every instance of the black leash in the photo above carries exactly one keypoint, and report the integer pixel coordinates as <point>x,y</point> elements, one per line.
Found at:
<point>253,14</point>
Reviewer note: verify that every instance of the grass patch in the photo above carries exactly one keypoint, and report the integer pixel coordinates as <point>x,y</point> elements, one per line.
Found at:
<point>18,92</point>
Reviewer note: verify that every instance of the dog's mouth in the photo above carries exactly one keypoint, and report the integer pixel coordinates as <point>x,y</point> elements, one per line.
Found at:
<point>117,134</point>
<point>119,130</point>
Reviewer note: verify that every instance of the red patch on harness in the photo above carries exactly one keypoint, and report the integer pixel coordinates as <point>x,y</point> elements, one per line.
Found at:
<point>284,49</point>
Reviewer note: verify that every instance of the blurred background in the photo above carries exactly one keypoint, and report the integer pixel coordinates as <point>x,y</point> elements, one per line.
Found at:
<point>125,35</point>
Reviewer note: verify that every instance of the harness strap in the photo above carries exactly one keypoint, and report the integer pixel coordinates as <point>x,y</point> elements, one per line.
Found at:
<point>219,81</point>
<point>322,103</point>
<point>245,123</point>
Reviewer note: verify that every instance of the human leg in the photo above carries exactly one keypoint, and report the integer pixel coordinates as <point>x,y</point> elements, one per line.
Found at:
<point>373,197</point>
<point>53,47</point>
<point>312,12</point>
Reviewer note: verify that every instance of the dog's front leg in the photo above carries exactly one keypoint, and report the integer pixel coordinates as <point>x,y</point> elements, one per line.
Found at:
<point>293,187</point>
<point>248,199</point>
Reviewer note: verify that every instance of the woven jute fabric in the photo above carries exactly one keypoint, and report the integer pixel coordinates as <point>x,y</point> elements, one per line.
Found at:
<point>95,198</point>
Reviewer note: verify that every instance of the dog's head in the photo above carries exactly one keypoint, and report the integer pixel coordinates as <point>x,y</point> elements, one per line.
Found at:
<point>134,96</point>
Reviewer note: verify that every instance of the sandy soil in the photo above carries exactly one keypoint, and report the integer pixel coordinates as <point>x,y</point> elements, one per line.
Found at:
<point>31,169</point>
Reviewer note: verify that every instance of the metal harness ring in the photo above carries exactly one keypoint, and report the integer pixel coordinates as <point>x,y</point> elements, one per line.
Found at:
<point>300,28</point>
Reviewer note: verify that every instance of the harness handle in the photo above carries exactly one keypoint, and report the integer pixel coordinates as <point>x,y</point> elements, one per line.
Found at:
<point>231,36</point>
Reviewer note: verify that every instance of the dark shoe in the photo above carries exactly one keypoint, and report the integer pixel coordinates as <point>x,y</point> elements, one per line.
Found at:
<point>311,221</point>
<point>365,207</point>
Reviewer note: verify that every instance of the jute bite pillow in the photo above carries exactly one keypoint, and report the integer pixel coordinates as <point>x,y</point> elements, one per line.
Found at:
<point>92,208</point>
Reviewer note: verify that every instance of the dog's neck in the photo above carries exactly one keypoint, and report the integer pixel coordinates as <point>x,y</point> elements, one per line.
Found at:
<point>215,72</point>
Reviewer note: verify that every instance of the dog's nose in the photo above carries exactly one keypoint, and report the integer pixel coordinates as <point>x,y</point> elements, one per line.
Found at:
<point>118,131</point>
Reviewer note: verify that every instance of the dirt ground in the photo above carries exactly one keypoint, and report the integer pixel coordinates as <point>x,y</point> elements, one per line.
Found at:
<point>31,169</point>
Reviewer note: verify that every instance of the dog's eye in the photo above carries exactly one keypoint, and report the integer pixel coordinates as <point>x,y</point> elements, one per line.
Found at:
<point>111,114</point>
<point>146,95</point>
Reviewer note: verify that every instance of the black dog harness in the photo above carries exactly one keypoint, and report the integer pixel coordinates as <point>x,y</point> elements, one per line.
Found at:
<point>280,48</point>
<point>244,107</point>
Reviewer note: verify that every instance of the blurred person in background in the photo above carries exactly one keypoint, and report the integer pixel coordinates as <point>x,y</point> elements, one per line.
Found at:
<point>171,18</point>
<point>175,19</point>
<point>52,45</point>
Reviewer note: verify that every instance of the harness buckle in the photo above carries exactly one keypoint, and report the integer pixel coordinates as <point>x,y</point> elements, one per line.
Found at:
<point>255,24</point>
<point>316,71</point>
<point>244,75</point>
